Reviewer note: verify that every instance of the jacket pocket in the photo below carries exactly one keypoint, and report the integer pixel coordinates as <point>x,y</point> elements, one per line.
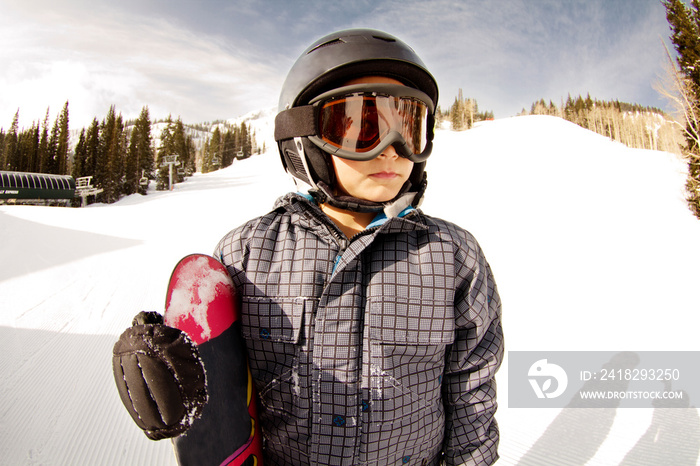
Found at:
<point>273,320</point>
<point>411,321</point>
<point>272,329</point>
<point>408,338</point>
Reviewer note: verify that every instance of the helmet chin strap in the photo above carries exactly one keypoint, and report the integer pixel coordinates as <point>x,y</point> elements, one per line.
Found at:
<point>325,195</point>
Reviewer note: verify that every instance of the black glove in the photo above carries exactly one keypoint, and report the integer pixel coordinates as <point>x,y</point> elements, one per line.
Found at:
<point>160,376</point>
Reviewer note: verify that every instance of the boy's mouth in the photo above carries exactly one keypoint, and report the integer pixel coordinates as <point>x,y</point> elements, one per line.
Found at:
<point>384,175</point>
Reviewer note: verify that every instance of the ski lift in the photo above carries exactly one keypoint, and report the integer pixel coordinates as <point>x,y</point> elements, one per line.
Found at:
<point>169,160</point>
<point>84,188</point>
<point>143,181</point>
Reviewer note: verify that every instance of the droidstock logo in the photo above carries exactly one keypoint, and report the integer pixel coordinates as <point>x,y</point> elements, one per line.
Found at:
<point>541,375</point>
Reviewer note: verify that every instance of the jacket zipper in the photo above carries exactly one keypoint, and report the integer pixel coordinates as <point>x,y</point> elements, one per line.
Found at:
<point>344,242</point>
<point>339,238</point>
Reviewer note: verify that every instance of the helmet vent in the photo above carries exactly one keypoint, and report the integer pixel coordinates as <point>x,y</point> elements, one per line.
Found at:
<point>326,44</point>
<point>297,166</point>
<point>385,39</point>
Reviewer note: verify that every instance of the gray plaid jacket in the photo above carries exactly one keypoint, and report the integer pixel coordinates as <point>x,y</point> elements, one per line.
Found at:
<point>380,350</point>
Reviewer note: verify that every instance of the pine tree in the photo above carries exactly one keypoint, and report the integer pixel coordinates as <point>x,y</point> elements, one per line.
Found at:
<point>10,152</point>
<point>212,156</point>
<point>80,159</point>
<point>51,160</point>
<point>180,142</point>
<point>205,156</point>
<point>2,148</point>
<point>246,141</point>
<point>237,142</point>
<point>685,26</point>
<point>684,22</point>
<point>229,150</point>
<point>27,145</point>
<point>43,155</point>
<point>118,158</point>
<point>139,160</point>
<point>132,175</point>
<point>146,150</point>
<point>33,163</point>
<point>92,152</point>
<point>184,149</point>
<point>23,150</point>
<point>62,143</point>
<point>166,148</point>
<point>111,154</point>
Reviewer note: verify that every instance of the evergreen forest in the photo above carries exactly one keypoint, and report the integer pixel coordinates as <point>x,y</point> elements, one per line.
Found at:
<point>123,157</point>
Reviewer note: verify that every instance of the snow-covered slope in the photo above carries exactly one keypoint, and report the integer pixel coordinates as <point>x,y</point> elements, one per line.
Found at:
<point>591,244</point>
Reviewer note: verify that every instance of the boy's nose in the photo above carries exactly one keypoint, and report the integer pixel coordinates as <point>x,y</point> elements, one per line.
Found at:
<point>390,153</point>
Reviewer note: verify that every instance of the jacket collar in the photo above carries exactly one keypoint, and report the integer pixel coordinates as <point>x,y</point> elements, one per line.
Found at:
<point>408,219</point>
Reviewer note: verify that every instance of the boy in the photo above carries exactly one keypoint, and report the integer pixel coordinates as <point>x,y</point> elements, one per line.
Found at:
<point>373,331</point>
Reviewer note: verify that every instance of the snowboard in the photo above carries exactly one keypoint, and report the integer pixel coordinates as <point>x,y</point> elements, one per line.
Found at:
<point>201,301</point>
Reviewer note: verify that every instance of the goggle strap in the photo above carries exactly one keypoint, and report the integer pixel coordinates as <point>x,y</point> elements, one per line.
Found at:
<point>295,122</point>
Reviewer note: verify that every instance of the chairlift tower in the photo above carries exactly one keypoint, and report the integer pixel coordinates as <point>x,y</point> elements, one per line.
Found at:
<point>170,161</point>
<point>84,188</point>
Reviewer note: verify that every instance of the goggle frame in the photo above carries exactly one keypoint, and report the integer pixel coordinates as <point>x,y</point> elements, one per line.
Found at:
<point>391,138</point>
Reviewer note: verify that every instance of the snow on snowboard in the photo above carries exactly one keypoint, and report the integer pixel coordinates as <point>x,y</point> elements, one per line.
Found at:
<point>201,302</point>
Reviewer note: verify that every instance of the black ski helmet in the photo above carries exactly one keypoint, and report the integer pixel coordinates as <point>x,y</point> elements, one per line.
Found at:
<point>325,65</point>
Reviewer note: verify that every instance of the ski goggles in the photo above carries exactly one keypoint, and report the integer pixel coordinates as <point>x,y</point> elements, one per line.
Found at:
<point>359,122</point>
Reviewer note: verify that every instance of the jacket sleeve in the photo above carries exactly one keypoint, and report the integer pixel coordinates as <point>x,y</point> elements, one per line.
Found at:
<point>469,387</point>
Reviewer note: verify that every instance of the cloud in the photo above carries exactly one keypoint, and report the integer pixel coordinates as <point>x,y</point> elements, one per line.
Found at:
<point>218,59</point>
<point>507,54</point>
<point>127,60</point>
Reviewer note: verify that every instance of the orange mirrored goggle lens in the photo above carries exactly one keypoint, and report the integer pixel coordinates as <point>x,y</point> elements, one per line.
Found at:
<point>359,122</point>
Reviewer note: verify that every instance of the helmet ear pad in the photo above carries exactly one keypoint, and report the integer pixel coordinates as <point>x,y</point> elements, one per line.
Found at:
<point>318,162</point>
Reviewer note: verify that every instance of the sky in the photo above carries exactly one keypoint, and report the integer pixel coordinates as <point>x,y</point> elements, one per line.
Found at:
<point>214,59</point>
